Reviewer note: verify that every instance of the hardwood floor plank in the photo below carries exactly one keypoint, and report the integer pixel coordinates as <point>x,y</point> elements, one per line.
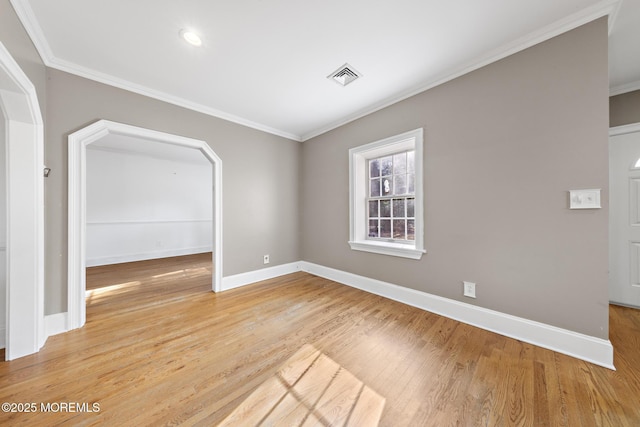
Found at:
<point>159,348</point>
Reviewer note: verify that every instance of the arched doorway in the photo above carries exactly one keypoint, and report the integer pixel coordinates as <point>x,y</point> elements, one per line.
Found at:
<point>24,201</point>
<point>78,142</point>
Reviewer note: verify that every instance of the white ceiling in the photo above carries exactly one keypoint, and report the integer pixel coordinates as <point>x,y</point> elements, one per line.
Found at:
<point>264,63</point>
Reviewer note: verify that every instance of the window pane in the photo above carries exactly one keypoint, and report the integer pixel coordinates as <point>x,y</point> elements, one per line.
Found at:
<point>375,187</point>
<point>398,208</point>
<point>385,208</point>
<point>398,229</point>
<point>411,187</point>
<point>374,168</point>
<point>373,208</point>
<point>400,164</point>
<point>385,228</point>
<point>399,184</point>
<point>373,228</point>
<point>387,186</point>
<point>386,165</point>
<point>384,193</point>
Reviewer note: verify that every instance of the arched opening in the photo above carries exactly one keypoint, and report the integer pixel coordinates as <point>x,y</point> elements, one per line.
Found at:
<point>23,200</point>
<point>78,142</point>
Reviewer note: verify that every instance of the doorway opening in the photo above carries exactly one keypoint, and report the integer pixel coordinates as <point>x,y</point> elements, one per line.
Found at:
<point>624,215</point>
<point>78,143</point>
<point>23,201</point>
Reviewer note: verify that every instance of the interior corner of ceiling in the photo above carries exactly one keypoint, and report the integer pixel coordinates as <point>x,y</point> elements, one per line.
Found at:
<point>613,13</point>
<point>30,23</point>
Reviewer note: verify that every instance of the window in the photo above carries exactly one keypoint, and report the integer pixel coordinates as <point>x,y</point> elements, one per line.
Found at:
<point>391,198</point>
<point>386,196</point>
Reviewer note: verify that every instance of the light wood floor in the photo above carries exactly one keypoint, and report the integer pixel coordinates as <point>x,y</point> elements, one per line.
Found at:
<point>159,348</point>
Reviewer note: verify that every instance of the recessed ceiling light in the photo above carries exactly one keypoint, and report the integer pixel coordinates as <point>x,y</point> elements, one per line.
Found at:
<point>191,37</point>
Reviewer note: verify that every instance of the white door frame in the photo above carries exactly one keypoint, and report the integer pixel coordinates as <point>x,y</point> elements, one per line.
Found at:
<point>616,131</point>
<point>624,129</point>
<point>78,142</point>
<point>25,332</point>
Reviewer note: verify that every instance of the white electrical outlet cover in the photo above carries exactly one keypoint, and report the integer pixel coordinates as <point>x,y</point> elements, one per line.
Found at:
<point>469,289</point>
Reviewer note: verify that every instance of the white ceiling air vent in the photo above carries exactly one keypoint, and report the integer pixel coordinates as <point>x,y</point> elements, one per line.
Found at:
<point>344,75</point>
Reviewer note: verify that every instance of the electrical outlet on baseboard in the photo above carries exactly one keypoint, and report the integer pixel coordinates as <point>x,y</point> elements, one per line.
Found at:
<point>469,289</point>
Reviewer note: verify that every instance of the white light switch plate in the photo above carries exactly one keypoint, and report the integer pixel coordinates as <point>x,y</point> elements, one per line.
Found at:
<point>584,199</point>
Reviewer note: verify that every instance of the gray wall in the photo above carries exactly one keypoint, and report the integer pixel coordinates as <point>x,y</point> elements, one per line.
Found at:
<point>503,145</point>
<point>146,205</point>
<point>260,174</point>
<point>624,109</point>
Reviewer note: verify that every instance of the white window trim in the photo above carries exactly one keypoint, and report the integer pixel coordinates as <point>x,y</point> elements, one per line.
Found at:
<point>358,156</point>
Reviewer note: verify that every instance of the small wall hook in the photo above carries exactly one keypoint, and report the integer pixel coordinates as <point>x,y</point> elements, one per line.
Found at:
<point>46,172</point>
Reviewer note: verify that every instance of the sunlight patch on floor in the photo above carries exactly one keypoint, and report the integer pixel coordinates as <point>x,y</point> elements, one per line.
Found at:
<point>106,290</point>
<point>192,272</point>
<point>310,389</point>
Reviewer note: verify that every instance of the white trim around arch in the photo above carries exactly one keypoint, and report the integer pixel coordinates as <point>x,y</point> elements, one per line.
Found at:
<point>78,142</point>
<point>24,136</point>
<point>624,129</point>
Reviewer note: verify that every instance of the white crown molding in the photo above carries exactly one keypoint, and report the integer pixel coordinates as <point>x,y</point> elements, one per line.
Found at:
<point>29,21</point>
<point>107,79</point>
<point>625,88</point>
<point>30,24</point>
<point>613,14</point>
<point>602,8</point>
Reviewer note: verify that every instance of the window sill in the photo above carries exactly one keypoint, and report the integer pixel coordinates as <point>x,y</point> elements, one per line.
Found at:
<point>387,248</point>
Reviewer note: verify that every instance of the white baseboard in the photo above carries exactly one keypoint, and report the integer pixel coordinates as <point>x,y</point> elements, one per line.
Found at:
<point>118,259</point>
<point>55,324</point>
<point>594,350</point>
<point>237,280</point>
